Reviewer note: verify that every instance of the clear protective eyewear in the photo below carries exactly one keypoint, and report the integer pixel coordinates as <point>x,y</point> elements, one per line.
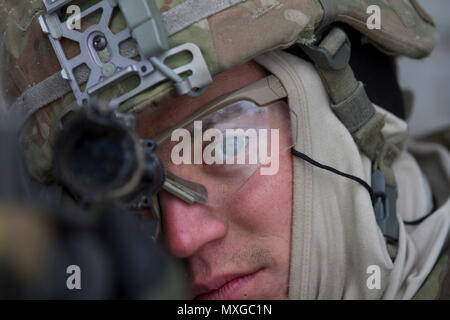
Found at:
<point>210,155</point>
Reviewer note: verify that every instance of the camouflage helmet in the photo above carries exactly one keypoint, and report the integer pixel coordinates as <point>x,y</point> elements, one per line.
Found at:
<point>228,33</point>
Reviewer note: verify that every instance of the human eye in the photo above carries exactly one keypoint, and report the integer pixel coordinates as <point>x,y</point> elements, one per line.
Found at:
<point>227,154</point>
<point>231,146</point>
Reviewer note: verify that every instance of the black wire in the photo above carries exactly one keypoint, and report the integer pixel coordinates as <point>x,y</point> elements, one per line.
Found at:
<point>416,222</point>
<point>360,181</point>
<point>333,170</point>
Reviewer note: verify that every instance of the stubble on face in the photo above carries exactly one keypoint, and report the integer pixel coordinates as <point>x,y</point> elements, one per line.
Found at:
<point>257,220</point>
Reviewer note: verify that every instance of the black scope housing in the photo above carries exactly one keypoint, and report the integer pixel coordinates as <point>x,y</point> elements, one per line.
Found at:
<point>98,157</point>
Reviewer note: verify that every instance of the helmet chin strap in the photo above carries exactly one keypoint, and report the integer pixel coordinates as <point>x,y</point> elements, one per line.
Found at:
<point>352,106</point>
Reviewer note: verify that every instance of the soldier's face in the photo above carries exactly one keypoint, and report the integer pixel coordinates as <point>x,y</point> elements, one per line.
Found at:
<point>241,249</point>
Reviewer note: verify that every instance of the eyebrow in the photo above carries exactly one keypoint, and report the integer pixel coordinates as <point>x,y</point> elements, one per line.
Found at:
<point>223,115</point>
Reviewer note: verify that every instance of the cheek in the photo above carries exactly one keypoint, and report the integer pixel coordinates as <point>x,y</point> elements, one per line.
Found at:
<point>264,204</point>
<point>264,215</point>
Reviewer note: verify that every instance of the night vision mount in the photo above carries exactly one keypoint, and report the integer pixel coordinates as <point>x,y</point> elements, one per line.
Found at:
<point>138,50</point>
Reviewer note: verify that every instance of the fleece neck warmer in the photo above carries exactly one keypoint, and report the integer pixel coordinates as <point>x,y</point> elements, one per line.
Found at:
<point>336,245</point>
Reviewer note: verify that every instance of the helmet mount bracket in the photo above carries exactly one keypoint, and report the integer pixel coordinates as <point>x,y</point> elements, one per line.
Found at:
<point>100,51</point>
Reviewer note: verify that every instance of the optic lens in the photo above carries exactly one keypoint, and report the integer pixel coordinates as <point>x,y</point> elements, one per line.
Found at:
<point>97,160</point>
<point>95,155</point>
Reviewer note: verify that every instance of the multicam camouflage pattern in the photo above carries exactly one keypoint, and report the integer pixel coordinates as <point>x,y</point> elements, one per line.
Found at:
<point>405,27</point>
<point>226,39</point>
<point>25,256</point>
<point>437,285</point>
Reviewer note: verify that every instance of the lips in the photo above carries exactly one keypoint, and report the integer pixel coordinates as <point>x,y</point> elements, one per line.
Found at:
<point>224,287</point>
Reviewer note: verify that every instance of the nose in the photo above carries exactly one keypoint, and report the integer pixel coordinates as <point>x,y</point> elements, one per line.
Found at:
<point>189,227</point>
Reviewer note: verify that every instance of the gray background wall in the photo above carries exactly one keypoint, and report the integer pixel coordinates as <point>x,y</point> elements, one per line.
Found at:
<point>430,78</point>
